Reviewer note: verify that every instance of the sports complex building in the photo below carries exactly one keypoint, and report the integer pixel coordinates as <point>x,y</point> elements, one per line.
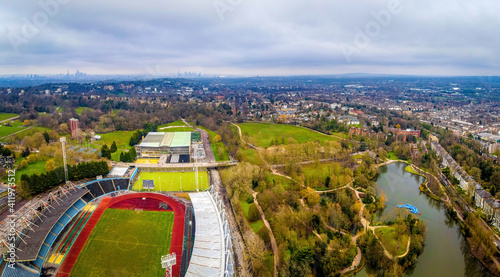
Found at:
<point>104,228</point>
<point>157,144</point>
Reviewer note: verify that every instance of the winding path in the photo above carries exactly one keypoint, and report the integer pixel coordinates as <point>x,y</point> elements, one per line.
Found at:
<point>274,245</point>
<point>364,222</point>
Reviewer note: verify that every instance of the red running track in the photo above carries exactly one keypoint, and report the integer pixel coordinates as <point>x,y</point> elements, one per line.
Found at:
<point>130,201</point>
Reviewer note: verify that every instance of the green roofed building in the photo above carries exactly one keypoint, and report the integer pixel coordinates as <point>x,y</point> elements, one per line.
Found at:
<point>156,144</point>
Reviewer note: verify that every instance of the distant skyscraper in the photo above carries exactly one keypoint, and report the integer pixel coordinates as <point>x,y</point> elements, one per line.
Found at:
<point>74,127</point>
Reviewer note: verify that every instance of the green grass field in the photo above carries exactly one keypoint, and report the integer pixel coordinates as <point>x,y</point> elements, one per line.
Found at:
<point>175,123</point>
<point>388,237</point>
<point>261,134</point>
<point>393,156</point>
<point>122,139</point>
<point>79,110</point>
<point>15,127</point>
<point>410,169</point>
<point>126,243</point>
<point>219,148</point>
<point>173,181</point>
<point>256,225</point>
<point>34,168</point>
<point>176,129</point>
<point>249,155</point>
<point>5,116</point>
<point>315,175</point>
<point>31,132</point>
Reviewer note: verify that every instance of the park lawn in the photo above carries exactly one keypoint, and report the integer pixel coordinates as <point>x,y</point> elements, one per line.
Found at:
<point>116,156</point>
<point>342,135</point>
<point>173,181</point>
<point>32,131</point>
<point>387,236</point>
<point>316,174</point>
<point>219,148</point>
<point>15,127</point>
<point>34,168</point>
<point>79,110</point>
<point>122,139</point>
<point>250,155</point>
<point>392,156</point>
<point>176,126</point>
<point>175,123</point>
<point>261,134</point>
<point>177,129</point>
<point>257,225</point>
<point>280,180</point>
<point>126,243</point>
<point>410,169</point>
<point>245,206</point>
<point>5,116</point>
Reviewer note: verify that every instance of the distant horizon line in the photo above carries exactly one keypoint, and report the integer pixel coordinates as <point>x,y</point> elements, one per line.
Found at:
<point>208,75</point>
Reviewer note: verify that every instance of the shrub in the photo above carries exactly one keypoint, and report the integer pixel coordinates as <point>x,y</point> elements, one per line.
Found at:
<point>253,213</point>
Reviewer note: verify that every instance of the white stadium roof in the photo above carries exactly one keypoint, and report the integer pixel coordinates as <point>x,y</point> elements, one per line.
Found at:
<point>208,257</point>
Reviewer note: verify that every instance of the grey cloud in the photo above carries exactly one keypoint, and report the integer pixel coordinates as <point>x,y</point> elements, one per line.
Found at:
<point>254,37</point>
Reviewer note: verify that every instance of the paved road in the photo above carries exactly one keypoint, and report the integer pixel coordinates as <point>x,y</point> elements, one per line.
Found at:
<point>178,165</point>
<point>16,132</point>
<point>9,119</point>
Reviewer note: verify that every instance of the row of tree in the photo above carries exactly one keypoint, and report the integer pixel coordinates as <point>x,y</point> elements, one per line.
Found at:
<point>129,156</point>
<point>38,183</point>
<point>107,151</point>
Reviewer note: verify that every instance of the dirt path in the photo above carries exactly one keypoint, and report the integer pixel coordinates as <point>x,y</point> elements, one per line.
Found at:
<point>274,245</point>
<point>185,122</point>
<point>366,224</point>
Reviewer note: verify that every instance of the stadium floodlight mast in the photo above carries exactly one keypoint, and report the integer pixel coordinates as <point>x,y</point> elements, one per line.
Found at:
<point>168,261</point>
<point>63,142</point>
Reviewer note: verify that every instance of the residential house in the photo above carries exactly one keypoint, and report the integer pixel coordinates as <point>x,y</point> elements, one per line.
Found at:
<point>480,197</point>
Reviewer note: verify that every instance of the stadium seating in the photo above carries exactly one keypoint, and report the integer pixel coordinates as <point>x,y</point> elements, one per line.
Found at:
<point>95,189</point>
<point>87,197</point>
<point>107,185</point>
<point>183,158</point>
<point>56,230</point>
<point>18,272</point>
<point>122,183</point>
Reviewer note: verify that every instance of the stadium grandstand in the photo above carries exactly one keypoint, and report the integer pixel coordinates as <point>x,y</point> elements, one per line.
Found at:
<point>54,227</point>
<point>157,144</point>
<point>39,222</point>
<point>118,171</point>
<point>212,250</point>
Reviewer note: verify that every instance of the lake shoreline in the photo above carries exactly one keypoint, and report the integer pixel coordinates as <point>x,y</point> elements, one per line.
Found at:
<point>435,233</point>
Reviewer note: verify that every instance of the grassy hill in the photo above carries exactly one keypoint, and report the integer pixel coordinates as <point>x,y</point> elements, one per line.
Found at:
<point>261,134</point>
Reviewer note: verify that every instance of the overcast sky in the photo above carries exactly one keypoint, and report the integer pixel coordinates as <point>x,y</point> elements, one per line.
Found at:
<point>251,37</point>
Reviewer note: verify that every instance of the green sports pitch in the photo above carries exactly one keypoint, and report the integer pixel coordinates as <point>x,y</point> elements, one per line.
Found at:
<point>173,181</point>
<point>126,243</point>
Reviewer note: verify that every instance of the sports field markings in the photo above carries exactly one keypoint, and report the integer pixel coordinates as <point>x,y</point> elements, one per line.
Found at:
<point>126,242</point>
<point>171,182</point>
<point>120,238</point>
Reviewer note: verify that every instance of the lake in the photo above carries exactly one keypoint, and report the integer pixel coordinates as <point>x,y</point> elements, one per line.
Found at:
<point>446,252</point>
